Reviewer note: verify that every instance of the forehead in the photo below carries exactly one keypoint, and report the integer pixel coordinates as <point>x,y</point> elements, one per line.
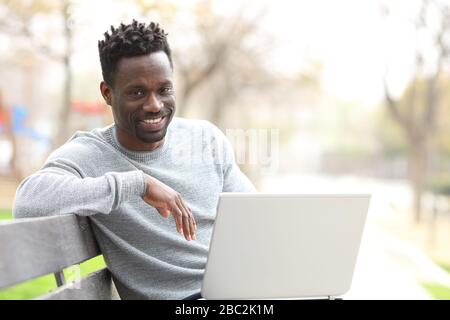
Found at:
<point>151,67</point>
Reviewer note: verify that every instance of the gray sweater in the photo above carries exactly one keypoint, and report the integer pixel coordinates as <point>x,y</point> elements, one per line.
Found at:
<point>93,175</point>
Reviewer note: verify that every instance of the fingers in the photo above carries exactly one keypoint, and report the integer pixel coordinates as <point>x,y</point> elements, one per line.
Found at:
<point>185,219</point>
<point>192,224</point>
<point>178,217</point>
<point>167,201</point>
<point>177,214</point>
<point>181,221</point>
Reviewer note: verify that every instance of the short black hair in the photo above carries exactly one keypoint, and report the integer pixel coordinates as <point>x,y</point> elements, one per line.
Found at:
<point>130,40</point>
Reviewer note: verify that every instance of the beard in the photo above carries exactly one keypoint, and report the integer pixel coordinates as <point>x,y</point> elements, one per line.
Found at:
<point>146,134</point>
<point>151,137</point>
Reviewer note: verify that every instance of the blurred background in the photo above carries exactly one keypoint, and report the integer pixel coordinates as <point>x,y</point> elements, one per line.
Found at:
<point>357,94</point>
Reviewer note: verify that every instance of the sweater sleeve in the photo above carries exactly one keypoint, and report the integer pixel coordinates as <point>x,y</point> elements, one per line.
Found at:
<point>59,188</point>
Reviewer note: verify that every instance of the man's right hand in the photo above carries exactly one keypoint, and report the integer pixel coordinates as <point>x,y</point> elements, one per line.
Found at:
<point>167,201</point>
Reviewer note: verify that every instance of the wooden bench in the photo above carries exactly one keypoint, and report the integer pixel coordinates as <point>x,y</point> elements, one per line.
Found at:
<point>30,248</point>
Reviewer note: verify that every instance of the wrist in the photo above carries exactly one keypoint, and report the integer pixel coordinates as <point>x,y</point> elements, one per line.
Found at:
<point>147,183</point>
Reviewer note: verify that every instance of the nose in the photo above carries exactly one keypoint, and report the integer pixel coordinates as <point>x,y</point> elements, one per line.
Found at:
<point>152,104</point>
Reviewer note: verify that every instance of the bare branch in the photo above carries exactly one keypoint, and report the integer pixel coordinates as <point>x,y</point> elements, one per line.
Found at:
<point>394,108</point>
<point>21,28</point>
<point>429,119</point>
<point>40,47</point>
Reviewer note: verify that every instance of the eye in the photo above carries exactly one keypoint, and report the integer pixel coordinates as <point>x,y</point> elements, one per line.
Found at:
<point>137,93</point>
<point>166,90</point>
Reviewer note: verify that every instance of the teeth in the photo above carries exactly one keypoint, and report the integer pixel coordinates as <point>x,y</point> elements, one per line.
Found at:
<point>153,121</point>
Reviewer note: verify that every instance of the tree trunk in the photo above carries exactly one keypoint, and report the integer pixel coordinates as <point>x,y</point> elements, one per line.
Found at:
<point>63,118</point>
<point>14,162</point>
<point>418,161</point>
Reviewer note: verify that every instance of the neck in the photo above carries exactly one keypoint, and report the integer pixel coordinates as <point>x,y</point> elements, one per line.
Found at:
<point>133,143</point>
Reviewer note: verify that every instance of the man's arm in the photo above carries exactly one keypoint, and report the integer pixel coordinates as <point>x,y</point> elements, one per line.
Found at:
<point>58,189</point>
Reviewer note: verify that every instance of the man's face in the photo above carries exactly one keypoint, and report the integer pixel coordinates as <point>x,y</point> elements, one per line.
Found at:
<point>142,99</point>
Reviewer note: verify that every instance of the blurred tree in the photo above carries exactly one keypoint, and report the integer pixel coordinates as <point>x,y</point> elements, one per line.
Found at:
<point>390,135</point>
<point>222,55</point>
<point>415,112</point>
<point>17,21</point>
<point>225,64</point>
<point>164,10</point>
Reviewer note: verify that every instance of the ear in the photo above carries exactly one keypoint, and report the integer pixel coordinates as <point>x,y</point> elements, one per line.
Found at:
<point>106,92</point>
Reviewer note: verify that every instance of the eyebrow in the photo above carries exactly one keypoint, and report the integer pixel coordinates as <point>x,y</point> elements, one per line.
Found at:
<point>140,85</point>
<point>165,83</point>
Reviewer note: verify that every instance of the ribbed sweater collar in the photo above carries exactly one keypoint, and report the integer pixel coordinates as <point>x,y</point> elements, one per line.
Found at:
<point>140,156</point>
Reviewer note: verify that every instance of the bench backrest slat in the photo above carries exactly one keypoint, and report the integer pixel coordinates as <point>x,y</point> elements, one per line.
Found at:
<point>96,286</point>
<point>30,248</point>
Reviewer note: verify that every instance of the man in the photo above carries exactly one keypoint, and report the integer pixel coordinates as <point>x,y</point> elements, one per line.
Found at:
<point>142,179</point>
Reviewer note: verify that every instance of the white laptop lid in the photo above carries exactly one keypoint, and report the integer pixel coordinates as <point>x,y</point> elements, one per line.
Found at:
<point>269,246</point>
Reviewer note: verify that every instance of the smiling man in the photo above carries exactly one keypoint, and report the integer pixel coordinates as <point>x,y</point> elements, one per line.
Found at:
<point>150,182</point>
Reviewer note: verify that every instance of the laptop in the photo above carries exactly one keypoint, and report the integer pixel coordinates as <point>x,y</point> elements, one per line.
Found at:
<point>284,246</point>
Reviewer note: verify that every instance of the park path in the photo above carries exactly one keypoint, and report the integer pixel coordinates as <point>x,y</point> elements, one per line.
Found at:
<point>387,267</point>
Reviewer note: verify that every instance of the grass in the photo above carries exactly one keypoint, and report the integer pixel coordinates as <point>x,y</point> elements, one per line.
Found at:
<point>439,292</point>
<point>36,287</point>
<point>5,214</point>
<point>29,289</point>
<point>39,286</point>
